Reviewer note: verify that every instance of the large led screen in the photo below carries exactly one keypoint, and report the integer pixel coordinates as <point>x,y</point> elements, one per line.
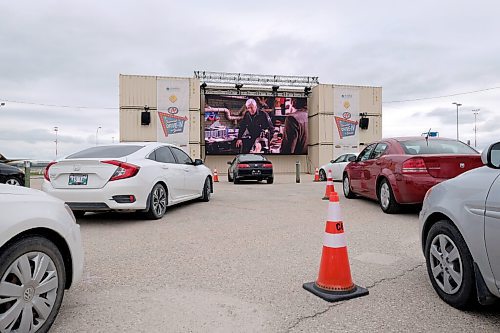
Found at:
<point>253,124</point>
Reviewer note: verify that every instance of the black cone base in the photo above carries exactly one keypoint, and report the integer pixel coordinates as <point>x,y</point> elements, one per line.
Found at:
<point>335,296</point>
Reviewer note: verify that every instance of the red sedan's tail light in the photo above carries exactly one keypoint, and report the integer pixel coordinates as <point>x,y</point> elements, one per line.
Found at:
<point>124,170</point>
<point>414,166</point>
<point>243,166</point>
<point>46,171</point>
<point>267,165</point>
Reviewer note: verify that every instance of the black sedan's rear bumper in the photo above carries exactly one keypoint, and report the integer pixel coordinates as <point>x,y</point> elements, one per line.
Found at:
<point>254,174</point>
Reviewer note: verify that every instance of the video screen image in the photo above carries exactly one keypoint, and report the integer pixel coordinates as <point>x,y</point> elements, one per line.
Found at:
<point>255,124</point>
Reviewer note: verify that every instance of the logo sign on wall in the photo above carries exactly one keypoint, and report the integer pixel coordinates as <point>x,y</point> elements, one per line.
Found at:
<point>346,127</point>
<point>346,114</point>
<point>173,111</point>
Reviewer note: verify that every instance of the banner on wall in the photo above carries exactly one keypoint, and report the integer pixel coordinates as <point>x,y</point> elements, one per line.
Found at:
<point>346,115</point>
<point>173,111</point>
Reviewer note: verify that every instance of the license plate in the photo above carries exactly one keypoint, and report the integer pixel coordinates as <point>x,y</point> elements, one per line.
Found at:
<point>78,179</point>
<point>255,172</point>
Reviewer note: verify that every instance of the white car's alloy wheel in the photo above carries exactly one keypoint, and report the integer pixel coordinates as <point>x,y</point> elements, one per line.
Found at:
<point>28,292</point>
<point>159,200</point>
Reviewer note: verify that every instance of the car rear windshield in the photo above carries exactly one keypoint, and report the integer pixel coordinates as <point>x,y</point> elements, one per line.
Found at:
<point>106,152</point>
<point>251,157</point>
<point>434,146</point>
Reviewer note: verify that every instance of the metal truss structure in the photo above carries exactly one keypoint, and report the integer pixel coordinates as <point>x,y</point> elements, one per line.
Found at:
<point>255,85</point>
<point>242,79</point>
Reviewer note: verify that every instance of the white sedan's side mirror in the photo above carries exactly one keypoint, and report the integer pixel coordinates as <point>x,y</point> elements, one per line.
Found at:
<point>491,156</point>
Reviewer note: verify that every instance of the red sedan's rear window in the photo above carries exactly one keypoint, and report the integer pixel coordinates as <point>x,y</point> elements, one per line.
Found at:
<point>436,146</point>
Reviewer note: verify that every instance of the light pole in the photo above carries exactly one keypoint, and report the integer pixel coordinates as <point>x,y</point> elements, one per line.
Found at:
<point>96,133</point>
<point>476,112</point>
<point>56,129</point>
<point>457,104</point>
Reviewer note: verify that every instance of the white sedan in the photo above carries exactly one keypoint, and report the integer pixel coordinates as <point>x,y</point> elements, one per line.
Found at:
<point>41,255</point>
<point>460,234</point>
<point>143,176</point>
<point>337,166</point>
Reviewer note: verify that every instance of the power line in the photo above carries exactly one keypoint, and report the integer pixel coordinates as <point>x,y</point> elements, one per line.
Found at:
<point>115,108</point>
<point>443,96</point>
<point>60,106</point>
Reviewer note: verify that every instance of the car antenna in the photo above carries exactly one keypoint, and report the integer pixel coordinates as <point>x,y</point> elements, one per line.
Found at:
<point>427,136</point>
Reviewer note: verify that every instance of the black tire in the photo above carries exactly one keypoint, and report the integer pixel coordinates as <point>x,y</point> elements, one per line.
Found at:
<point>386,198</point>
<point>346,186</point>
<point>206,191</point>
<point>158,201</point>
<point>14,181</point>
<point>270,180</point>
<point>79,213</point>
<point>322,175</point>
<point>235,179</point>
<point>18,249</point>
<point>464,297</point>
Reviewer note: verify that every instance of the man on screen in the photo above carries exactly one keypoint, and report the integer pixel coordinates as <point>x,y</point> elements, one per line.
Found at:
<point>254,123</point>
<point>295,132</point>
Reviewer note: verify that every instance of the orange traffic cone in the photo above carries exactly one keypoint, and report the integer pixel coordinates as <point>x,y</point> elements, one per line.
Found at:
<point>316,175</point>
<point>334,281</point>
<point>329,186</point>
<point>216,176</point>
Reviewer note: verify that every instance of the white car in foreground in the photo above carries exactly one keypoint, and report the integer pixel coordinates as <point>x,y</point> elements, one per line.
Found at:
<point>143,176</point>
<point>40,255</point>
<point>460,234</point>
<point>337,166</point>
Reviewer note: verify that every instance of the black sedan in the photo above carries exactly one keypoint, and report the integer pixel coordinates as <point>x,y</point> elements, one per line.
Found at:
<point>11,175</point>
<point>250,167</point>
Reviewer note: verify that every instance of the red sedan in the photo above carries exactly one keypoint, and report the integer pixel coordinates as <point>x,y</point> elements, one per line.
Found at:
<point>399,171</point>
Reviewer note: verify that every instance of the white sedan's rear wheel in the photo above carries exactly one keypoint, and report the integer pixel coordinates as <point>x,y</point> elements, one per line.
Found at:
<point>207,190</point>
<point>157,202</point>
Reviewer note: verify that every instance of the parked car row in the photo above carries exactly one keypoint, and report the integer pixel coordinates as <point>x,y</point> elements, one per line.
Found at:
<point>41,252</point>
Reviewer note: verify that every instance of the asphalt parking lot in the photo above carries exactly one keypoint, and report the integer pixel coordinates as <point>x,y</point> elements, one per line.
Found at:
<point>237,264</point>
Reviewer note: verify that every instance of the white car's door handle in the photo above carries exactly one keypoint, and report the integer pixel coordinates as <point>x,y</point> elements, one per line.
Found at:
<point>164,167</point>
<point>186,170</point>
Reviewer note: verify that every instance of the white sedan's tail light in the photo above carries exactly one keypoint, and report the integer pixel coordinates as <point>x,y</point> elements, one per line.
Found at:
<point>123,170</point>
<point>46,171</point>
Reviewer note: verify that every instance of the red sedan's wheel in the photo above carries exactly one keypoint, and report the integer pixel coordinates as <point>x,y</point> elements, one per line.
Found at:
<point>346,186</point>
<point>386,198</point>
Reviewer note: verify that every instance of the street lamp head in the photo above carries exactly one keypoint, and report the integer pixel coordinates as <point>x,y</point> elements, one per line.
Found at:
<point>457,104</point>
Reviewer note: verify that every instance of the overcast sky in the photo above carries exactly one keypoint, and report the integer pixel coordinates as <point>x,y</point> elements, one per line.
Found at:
<point>70,53</point>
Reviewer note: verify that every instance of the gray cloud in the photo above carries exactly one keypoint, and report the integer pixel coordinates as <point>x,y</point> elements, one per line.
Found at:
<point>71,53</point>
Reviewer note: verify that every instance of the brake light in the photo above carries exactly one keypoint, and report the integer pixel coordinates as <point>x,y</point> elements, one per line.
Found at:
<point>243,166</point>
<point>124,170</point>
<point>267,165</point>
<point>414,165</point>
<point>46,171</point>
